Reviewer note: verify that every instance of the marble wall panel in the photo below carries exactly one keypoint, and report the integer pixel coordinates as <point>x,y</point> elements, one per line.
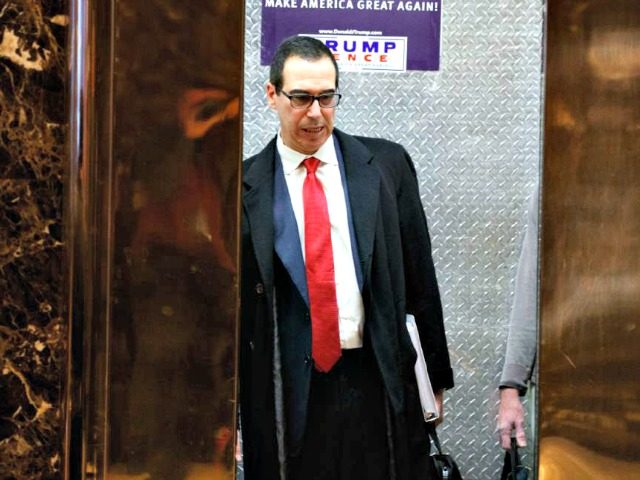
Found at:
<point>33,329</point>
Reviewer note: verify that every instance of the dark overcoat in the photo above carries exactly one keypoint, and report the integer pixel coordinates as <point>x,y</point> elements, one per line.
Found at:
<point>394,250</point>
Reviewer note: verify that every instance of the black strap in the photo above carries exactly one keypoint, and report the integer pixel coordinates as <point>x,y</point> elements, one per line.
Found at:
<point>436,441</point>
<point>515,461</point>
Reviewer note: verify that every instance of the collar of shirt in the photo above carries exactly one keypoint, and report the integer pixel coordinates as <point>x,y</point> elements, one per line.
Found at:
<point>292,159</point>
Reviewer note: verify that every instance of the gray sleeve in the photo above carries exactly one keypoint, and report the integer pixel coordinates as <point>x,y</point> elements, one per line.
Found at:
<point>521,344</point>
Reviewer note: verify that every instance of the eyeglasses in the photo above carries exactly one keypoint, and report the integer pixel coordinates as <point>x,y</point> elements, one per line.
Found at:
<point>300,101</point>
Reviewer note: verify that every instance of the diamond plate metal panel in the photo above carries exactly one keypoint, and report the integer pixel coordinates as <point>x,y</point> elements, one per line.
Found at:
<point>473,130</point>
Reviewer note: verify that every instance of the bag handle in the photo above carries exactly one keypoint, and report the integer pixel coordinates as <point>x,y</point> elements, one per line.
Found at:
<point>433,434</point>
<point>515,461</point>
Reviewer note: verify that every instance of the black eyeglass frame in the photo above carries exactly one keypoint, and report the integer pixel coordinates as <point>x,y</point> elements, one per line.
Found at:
<point>313,98</point>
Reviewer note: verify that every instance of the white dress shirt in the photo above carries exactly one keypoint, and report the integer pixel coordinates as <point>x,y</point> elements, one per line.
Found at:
<point>350,306</point>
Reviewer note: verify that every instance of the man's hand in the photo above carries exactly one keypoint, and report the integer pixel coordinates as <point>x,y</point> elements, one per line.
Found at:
<point>439,395</point>
<point>511,417</point>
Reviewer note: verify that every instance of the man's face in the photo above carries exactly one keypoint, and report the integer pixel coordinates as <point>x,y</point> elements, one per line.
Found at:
<point>304,130</point>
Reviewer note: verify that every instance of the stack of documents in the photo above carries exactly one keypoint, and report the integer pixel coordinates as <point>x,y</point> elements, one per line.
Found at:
<point>427,398</point>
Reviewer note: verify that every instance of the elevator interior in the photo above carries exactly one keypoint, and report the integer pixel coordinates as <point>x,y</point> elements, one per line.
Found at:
<point>168,96</point>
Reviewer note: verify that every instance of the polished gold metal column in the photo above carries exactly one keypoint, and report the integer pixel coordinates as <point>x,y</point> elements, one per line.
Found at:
<point>154,196</point>
<point>590,284</point>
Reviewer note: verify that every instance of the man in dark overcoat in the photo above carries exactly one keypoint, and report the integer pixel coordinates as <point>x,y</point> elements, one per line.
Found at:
<point>335,253</point>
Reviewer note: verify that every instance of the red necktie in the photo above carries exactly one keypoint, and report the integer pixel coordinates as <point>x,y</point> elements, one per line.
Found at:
<point>321,283</point>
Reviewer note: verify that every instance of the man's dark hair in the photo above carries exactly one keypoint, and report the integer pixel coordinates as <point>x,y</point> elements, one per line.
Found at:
<point>307,48</point>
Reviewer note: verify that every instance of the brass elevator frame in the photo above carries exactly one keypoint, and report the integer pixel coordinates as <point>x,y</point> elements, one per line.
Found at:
<point>89,230</point>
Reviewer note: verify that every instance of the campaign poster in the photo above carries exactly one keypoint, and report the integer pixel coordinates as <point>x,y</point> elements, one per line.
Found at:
<point>364,35</point>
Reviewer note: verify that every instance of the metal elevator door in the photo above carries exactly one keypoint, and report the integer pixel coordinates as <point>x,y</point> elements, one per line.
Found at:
<point>154,202</point>
<point>590,284</point>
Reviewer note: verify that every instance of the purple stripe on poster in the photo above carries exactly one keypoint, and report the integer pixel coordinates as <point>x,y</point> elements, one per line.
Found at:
<point>365,35</point>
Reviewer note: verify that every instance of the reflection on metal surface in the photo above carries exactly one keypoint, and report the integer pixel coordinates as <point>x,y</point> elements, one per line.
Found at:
<point>589,365</point>
<point>178,73</point>
<point>156,195</point>
<point>566,459</point>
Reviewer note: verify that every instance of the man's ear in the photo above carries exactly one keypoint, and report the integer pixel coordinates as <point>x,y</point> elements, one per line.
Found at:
<point>271,95</point>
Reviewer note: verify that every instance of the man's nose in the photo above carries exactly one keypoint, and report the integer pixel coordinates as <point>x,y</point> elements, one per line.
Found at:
<point>314,108</point>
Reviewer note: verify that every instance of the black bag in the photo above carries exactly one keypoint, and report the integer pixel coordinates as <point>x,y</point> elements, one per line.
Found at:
<point>512,468</point>
<point>444,465</point>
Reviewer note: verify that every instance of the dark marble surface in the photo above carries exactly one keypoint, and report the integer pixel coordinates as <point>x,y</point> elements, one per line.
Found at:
<point>32,321</point>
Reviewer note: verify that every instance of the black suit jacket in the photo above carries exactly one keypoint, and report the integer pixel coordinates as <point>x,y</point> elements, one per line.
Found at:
<point>398,278</point>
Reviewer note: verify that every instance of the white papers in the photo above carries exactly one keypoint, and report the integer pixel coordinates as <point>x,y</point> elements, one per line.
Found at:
<point>427,398</point>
